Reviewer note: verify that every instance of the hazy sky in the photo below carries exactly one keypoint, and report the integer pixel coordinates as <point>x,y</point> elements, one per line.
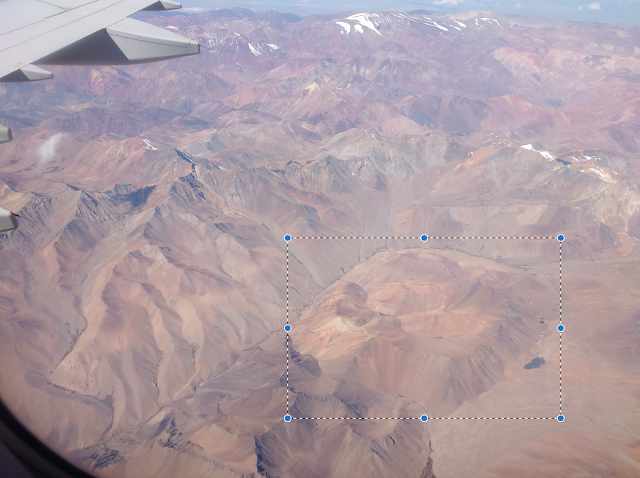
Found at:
<point>625,11</point>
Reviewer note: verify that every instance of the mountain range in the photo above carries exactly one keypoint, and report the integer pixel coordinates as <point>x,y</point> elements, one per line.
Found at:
<point>143,297</point>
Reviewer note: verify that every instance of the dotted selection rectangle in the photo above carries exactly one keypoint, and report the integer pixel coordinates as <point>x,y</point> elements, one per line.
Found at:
<point>560,238</point>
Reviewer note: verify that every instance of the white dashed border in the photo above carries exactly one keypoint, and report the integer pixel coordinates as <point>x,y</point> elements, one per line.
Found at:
<point>560,417</point>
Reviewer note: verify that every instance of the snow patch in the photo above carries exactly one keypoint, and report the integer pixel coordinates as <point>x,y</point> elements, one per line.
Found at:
<point>358,28</point>
<point>428,21</point>
<point>149,146</point>
<point>171,27</point>
<point>491,20</point>
<point>545,154</point>
<point>254,50</point>
<point>345,25</point>
<point>461,24</point>
<point>273,47</point>
<point>364,20</point>
<point>437,25</point>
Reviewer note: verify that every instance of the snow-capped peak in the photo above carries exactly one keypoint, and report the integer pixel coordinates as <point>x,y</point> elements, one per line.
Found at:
<point>365,19</point>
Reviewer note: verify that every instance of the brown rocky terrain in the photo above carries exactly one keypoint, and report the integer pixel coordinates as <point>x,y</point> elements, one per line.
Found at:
<point>143,297</point>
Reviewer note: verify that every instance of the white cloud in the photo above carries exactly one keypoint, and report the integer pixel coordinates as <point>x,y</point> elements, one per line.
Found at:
<point>448,2</point>
<point>580,7</point>
<point>594,6</point>
<point>517,5</point>
<point>47,150</point>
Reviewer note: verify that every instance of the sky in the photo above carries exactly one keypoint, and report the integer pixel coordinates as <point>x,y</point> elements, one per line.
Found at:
<point>608,11</point>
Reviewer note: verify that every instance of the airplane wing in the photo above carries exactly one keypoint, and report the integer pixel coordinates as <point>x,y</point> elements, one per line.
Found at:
<point>79,32</point>
<point>82,32</point>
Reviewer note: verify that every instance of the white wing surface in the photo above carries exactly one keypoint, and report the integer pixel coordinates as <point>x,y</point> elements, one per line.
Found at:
<point>82,32</point>
<point>78,32</point>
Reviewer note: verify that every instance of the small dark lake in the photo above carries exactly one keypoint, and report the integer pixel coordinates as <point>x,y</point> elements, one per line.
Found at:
<point>535,363</point>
